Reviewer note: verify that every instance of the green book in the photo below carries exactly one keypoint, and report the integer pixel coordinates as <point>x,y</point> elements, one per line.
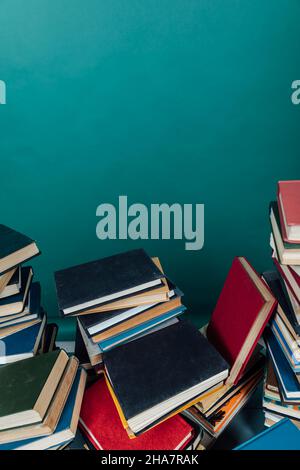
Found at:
<point>27,388</point>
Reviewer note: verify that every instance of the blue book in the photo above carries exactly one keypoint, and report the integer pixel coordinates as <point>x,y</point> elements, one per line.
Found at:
<point>283,435</point>
<point>287,380</point>
<point>22,344</point>
<point>67,426</point>
<point>143,327</point>
<point>16,303</point>
<point>290,356</point>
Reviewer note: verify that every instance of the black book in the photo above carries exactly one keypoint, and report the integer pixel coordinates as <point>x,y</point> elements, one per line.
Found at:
<point>278,288</point>
<point>97,282</point>
<point>16,303</point>
<point>164,370</point>
<point>15,248</point>
<point>32,309</point>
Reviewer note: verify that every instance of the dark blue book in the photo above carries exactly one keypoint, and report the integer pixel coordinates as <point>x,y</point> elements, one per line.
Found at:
<point>67,426</point>
<point>16,303</point>
<point>31,311</point>
<point>14,284</point>
<point>281,436</point>
<point>22,344</point>
<point>287,380</point>
<point>15,248</point>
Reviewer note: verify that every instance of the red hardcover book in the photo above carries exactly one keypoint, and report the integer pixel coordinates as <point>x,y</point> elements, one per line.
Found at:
<point>100,422</point>
<point>290,277</point>
<point>240,316</point>
<point>288,198</point>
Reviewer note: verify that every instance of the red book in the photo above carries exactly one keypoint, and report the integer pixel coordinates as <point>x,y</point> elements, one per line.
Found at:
<point>289,210</point>
<point>100,422</point>
<point>240,316</point>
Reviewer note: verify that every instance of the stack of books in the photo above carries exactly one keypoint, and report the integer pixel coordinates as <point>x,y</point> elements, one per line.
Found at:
<point>22,318</point>
<point>40,401</point>
<point>282,381</point>
<point>242,311</point>
<point>116,299</point>
<point>164,383</point>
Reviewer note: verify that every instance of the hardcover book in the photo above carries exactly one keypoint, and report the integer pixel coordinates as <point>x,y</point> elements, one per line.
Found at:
<point>240,316</point>
<point>289,210</point>
<point>15,303</point>
<point>15,248</point>
<point>100,422</point>
<point>82,287</point>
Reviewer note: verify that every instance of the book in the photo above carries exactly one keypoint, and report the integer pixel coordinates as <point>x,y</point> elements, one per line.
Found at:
<point>51,419</point>
<point>13,285</point>
<point>47,343</point>
<point>180,369</point>
<point>282,436</point>
<point>289,277</point>
<point>286,344</point>
<point>103,322</point>
<point>5,278</point>
<point>100,422</point>
<point>15,248</point>
<point>33,382</point>
<point>288,197</point>
<point>22,344</point>
<point>67,425</point>
<point>88,285</point>
<point>240,316</point>
<point>287,253</point>
<point>31,310</point>
<point>16,303</point>
<point>287,380</point>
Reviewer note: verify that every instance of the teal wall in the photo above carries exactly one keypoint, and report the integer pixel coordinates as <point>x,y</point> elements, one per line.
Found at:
<point>162,100</point>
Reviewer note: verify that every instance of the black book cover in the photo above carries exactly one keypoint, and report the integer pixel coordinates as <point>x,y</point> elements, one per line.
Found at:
<point>97,279</point>
<point>160,366</point>
<point>80,349</point>
<point>14,280</point>
<point>12,241</point>
<point>278,288</point>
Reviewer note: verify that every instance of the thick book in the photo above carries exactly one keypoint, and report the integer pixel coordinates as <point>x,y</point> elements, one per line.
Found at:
<point>15,248</point>
<point>5,278</point>
<point>281,436</point>
<point>287,380</point>
<point>100,422</point>
<point>14,284</point>
<point>240,316</point>
<point>288,253</point>
<point>97,282</point>
<point>22,344</point>
<point>159,381</point>
<point>67,425</point>
<point>32,383</point>
<point>16,303</point>
<point>288,198</point>
<point>51,419</point>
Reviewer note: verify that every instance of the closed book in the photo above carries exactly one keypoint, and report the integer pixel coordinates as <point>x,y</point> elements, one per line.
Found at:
<point>240,316</point>
<point>100,422</point>
<point>48,341</point>
<point>16,303</point>
<point>281,436</point>
<point>32,383</point>
<point>67,425</point>
<point>32,309</point>
<point>82,287</point>
<point>15,248</point>
<point>288,197</point>
<point>159,381</point>
<point>22,344</point>
<point>288,253</point>
<point>287,380</point>
<point>5,278</point>
<point>14,284</point>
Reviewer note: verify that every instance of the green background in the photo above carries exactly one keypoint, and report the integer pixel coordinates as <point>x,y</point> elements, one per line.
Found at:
<point>164,101</point>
